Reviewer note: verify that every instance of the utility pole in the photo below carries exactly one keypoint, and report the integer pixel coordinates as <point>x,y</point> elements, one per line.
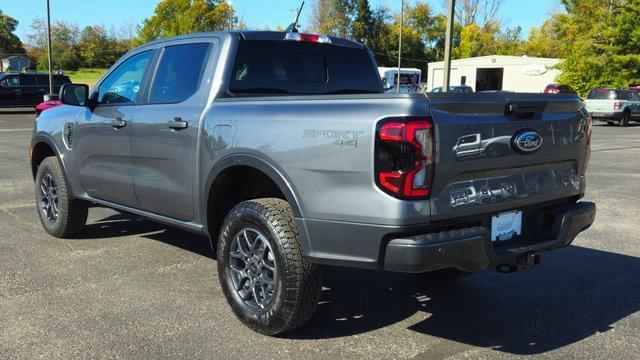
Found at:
<point>49,47</point>
<point>230,3</point>
<point>451,8</point>
<point>400,46</point>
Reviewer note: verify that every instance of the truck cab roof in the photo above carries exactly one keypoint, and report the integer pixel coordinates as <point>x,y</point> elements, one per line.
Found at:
<point>253,35</point>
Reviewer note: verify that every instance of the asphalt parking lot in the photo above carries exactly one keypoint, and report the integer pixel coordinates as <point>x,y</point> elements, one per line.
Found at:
<point>130,288</point>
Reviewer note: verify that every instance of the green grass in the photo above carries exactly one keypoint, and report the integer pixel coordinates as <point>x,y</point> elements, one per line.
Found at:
<point>85,75</point>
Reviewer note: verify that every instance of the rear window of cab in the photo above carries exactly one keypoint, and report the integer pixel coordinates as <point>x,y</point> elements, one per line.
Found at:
<point>301,68</point>
<point>609,94</point>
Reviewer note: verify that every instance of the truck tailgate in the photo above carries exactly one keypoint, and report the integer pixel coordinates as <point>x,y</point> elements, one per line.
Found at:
<point>496,152</point>
<point>599,105</point>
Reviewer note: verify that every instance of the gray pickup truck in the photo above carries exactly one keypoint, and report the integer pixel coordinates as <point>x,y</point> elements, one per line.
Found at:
<point>282,148</point>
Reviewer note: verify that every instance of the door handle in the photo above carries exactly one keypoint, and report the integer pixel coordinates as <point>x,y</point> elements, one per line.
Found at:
<point>118,123</point>
<point>177,124</point>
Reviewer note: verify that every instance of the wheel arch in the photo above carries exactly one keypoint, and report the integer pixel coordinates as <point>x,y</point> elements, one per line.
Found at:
<point>42,148</point>
<point>244,162</point>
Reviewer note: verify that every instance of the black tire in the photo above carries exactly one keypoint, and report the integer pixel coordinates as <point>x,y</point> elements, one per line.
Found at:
<point>297,286</point>
<point>611,123</point>
<point>71,213</point>
<point>624,121</point>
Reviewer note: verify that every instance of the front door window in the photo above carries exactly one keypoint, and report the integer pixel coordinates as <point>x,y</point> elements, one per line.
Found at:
<point>123,84</point>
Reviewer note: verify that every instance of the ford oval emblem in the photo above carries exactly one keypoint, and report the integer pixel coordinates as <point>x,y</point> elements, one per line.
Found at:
<point>527,141</point>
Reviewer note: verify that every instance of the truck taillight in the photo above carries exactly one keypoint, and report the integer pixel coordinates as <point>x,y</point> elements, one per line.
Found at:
<point>404,161</point>
<point>314,38</point>
<point>617,105</point>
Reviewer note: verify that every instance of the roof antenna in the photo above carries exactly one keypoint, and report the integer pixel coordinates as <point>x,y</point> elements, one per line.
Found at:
<point>294,26</point>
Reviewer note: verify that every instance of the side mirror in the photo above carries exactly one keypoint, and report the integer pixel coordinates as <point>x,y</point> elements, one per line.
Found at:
<point>74,94</point>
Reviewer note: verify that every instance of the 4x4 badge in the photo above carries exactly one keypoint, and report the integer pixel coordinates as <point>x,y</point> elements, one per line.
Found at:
<point>527,141</point>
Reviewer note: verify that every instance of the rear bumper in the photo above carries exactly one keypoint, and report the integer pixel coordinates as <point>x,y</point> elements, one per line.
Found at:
<point>605,116</point>
<point>471,249</point>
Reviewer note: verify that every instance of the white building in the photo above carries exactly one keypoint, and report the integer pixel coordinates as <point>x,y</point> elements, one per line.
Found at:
<point>485,73</point>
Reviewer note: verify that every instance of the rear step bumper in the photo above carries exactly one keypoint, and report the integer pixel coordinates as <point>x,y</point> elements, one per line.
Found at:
<point>605,115</point>
<point>471,249</point>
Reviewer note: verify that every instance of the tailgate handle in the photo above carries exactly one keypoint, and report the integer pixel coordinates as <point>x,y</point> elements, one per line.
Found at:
<point>525,110</point>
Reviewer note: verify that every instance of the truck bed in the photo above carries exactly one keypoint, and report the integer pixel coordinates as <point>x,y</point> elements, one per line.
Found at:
<point>324,147</point>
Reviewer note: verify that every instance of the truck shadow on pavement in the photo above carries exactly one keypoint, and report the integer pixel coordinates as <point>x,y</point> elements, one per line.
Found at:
<point>576,293</point>
<point>122,224</point>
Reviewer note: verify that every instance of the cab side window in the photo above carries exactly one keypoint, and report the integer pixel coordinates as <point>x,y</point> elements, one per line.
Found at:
<point>10,81</point>
<point>27,80</point>
<point>179,73</point>
<point>123,84</point>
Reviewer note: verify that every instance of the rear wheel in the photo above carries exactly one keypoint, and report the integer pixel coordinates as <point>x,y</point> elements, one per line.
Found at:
<point>61,215</point>
<point>624,121</point>
<point>271,287</point>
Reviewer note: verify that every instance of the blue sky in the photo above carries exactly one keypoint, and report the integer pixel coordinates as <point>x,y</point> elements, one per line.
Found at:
<point>255,13</point>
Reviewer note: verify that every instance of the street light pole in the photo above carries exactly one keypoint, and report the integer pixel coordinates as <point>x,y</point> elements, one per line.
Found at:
<point>451,8</point>
<point>400,47</point>
<point>230,3</point>
<point>49,48</point>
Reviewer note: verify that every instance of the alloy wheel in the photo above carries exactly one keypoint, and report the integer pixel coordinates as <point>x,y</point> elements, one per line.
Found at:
<point>49,197</point>
<point>253,268</point>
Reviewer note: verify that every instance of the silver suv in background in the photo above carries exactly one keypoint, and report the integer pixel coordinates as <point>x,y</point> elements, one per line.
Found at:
<point>613,105</point>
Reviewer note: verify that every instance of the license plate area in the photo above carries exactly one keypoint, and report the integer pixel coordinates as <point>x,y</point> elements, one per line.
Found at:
<point>506,226</point>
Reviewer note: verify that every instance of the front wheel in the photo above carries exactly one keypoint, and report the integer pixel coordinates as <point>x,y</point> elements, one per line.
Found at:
<point>61,215</point>
<point>271,287</point>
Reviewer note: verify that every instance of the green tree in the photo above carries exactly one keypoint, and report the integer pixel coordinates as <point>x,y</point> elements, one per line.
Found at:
<point>178,17</point>
<point>548,40</point>
<point>9,42</point>
<point>414,46</point>
<point>100,48</point>
<point>65,51</point>
<point>363,25</point>
<point>602,44</point>
<point>489,39</point>
<point>93,44</point>
<point>474,41</point>
<point>331,17</point>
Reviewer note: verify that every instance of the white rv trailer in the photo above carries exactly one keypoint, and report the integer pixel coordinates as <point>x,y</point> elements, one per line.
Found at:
<point>410,79</point>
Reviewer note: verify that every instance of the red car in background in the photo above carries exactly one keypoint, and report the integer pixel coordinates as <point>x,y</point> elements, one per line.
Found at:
<point>558,89</point>
<point>50,101</point>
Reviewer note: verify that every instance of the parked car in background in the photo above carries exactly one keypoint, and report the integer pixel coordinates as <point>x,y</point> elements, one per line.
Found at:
<point>50,101</point>
<point>454,89</point>
<point>613,105</point>
<point>559,89</point>
<point>27,89</point>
